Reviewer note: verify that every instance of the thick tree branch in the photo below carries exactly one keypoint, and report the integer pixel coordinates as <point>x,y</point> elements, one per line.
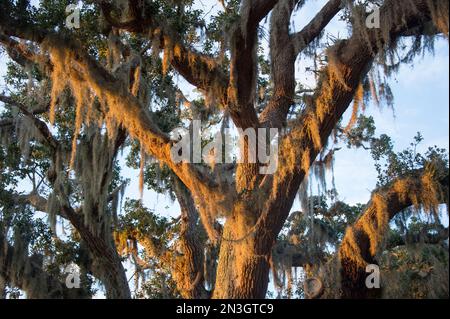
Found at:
<point>123,106</point>
<point>313,29</point>
<point>198,69</point>
<point>350,60</point>
<point>282,57</point>
<point>40,125</point>
<point>243,66</point>
<point>19,52</point>
<point>260,9</point>
<point>192,239</point>
<point>364,238</point>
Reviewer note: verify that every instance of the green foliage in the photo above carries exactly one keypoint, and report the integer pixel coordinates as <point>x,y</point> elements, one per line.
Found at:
<point>159,286</point>
<point>139,218</point>
<point>415,272</point>
<point>391,165</point>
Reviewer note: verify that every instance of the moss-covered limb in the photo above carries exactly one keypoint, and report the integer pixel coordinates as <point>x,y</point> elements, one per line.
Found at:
<point>349,62</point>
<point>190,278</point>
<point>313,29</point>
<point>40,125</point>
<point>19,53</point>
<point>185,259</point>
<point>126,109</point>
<point>364,239</point>
<point>108,267</point>
<point>243,67</point>
<point>37,110</point>
<point>200,70</point>
<point>35,200</point>
<point>85,72</point>
<point>107,264</point>
<point>19,270</point>
<point>282,58</point>
<point>248,178</point>
<point>203,71</point>
<point>284,50</point>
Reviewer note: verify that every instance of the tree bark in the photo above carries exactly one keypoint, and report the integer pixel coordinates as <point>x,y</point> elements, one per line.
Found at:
<point>243,268</point>
<point>190,278</point>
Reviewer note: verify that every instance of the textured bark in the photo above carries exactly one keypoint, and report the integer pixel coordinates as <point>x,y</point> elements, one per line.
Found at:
<point>243,267</point>
<point>353,275</point>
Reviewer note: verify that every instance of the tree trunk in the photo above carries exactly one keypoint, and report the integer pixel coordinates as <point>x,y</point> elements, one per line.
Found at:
<point>112,274</point>
<point>190,279</point>
<point>353,273</point>
<point>243,269</point>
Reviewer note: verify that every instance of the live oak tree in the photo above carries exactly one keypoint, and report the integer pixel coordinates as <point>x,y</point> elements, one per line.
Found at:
<point>112,84</point>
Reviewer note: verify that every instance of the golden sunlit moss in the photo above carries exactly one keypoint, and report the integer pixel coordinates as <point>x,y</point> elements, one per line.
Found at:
<point>358,103</point>
<point>192,59</point>
<point>167,55</point>
<point>306,160</point>
<point>404,188</point>
<point>430,190</point>
<point>121,242</point>
<point>333,76</point>
<point>177,51</point>
<point>349,248</point>
<point>422,192</point>
<point>312,127</point>
<point>382,220</point>
<point>141,172</point>
<point>59,79</point>
<point>439,13</point>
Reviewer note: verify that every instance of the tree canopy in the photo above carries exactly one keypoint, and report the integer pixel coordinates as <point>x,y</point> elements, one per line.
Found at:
<point>83,101</point>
